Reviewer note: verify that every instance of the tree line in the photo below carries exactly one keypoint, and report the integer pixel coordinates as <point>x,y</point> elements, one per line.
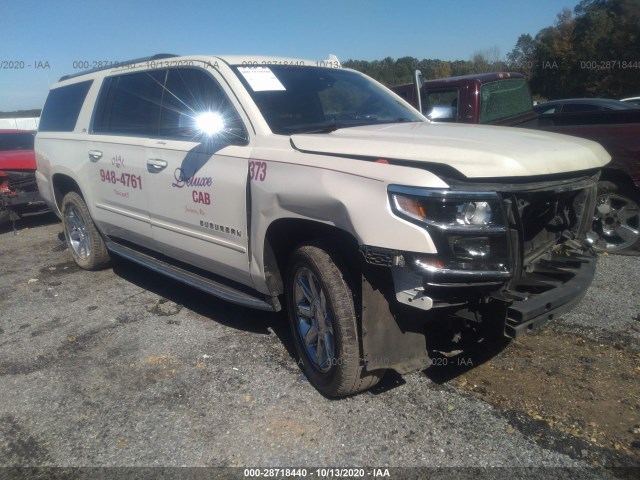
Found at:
<point>592,51</point>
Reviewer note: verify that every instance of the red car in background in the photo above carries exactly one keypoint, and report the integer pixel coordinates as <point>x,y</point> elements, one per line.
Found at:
<point>18,189</point>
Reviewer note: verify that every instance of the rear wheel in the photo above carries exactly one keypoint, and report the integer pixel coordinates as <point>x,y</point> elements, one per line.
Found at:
<point>323,322</point>
<point>617,218</point>
<point>85,242</point>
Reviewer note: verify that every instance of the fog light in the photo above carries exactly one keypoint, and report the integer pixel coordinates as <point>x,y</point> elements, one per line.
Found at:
<point>471,248</point>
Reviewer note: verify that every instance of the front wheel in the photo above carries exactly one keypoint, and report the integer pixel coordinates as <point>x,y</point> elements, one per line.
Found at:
<point>85,242</point>
<point>617,218</point>
<point>322,317</point>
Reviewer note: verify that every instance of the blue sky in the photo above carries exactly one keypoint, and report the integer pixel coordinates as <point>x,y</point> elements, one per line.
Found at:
<point>54,34</point>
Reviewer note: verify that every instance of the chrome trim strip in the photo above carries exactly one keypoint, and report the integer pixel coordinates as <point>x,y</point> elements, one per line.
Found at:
<point>126,213</point>
<point>199,236</point>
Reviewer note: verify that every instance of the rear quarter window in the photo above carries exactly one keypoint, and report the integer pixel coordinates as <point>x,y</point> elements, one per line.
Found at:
<point>61,110</point>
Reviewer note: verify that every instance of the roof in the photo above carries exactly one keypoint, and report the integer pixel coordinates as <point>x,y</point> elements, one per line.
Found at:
<point>604,102</point>
<point>244,60</point>
<point>474,77</point>
<point>481,77</point>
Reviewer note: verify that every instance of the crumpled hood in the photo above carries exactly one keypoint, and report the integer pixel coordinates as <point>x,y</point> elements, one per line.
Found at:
<point>17,160</point>
<point>476,151</point>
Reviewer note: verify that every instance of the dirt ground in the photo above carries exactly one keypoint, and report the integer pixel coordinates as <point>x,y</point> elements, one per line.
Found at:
<point>586,390</point>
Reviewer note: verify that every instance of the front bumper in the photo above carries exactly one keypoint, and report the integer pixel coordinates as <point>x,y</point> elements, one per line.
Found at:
<point>533,311</point>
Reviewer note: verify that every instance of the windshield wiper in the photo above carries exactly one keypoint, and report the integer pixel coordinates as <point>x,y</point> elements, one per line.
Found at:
<point>332,127</point>
<point>403,120</point>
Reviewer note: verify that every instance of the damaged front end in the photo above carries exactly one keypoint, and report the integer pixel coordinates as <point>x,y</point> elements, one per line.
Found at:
<point>551,251</point>
<point>511,255</point>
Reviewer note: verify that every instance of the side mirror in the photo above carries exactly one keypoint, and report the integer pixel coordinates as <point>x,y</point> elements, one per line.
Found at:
<point>418,83</point>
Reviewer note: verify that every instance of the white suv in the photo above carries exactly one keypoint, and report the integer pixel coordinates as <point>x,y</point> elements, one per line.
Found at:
<point>263,179</point>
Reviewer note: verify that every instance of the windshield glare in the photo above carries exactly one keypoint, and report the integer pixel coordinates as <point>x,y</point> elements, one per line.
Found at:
<point>312,100</point>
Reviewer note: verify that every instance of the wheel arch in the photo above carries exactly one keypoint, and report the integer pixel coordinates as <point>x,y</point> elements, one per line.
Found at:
<point>621,179</point>
<point>284,235</point>
<point>62,184</point>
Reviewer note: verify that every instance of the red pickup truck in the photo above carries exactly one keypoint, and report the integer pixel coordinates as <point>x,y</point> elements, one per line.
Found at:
<point>18,189</point>
<point>504,99</point>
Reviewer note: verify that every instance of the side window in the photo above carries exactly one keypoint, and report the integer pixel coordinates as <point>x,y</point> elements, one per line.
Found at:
<point>504,98</point>
<point>580,107</point>
<point>194,105</point>
<point>440,105</point>
<point>130,104</point>
<point>61,110</point>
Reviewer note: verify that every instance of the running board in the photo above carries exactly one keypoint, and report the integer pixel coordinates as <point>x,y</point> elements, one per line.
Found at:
<point>194,280</point>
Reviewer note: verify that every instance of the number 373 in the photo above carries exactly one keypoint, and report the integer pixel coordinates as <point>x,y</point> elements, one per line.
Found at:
<point>257,171</point>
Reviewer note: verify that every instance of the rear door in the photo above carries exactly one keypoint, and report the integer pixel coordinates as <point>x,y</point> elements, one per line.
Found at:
<point>126,117</point>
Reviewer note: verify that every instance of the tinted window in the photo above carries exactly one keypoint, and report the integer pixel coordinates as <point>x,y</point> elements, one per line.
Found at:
<point>545,111</point>
<point>16,141</point>
<point>580,107</point>
<point>504,99</point>
<point>61,110</point>
<point>190,95</point>
<point>440,105</point>
<point>130,104</point>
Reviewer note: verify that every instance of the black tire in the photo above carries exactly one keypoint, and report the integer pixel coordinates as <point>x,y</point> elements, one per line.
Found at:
<point>616,218</point>
<point>342,373</point>
<point>85,242</point>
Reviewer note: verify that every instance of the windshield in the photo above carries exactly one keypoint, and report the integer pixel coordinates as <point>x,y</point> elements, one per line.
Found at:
<point>503,99</point>
<point>16,141</point>
<point>299,99</point>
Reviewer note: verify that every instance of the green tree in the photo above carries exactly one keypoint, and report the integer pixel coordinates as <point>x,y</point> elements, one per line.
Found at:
<point>522,57</point>
<point>594,52</point>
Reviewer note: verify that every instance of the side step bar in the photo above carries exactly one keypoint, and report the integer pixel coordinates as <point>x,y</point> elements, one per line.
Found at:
<point>207,285</point>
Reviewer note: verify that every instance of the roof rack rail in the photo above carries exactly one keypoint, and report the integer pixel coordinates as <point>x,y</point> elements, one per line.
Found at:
<point>158,56</point>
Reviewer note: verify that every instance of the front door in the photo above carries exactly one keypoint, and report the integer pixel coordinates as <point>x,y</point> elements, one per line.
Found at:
<point>197,177</point>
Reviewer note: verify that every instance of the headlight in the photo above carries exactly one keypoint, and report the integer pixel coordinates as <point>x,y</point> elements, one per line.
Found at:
<point>447,209</point>
<point>474,213</point>
<point>468,229</point>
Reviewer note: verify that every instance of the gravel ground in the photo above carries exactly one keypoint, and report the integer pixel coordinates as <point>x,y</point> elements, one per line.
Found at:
<point>123,368</point>
<point>611,309</point>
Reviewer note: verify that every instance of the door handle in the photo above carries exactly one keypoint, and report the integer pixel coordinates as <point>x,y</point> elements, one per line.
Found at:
<point>155,165</point>
<point>95,155</point>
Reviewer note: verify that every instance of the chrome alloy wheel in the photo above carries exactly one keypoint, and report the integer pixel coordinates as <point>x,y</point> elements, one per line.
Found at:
<point>76,232</point>
<point>617,219</point>
<point>314,319</point>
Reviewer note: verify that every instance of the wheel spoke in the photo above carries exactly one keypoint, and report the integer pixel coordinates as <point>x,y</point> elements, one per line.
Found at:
<point>313,286</point>
<point>304,310</point>
<point>304,288</point>
<point>310,336</point>
<point>627,212</point>
<point>627,233</point>
<point>73,219</point>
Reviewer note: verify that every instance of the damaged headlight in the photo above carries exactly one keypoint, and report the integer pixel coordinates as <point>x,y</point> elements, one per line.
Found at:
<point>448,209</point>
<point>468,228</point>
